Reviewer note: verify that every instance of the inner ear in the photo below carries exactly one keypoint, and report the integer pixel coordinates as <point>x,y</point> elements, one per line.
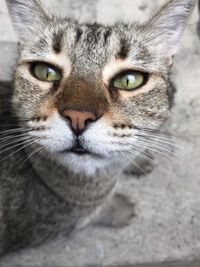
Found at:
<point>165,29</point>
<point>27,17</point>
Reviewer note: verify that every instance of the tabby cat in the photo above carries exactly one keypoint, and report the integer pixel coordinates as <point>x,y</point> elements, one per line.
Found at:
<point>88,99</point>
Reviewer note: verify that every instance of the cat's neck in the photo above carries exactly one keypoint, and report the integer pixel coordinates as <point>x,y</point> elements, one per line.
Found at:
<point>79,189</point>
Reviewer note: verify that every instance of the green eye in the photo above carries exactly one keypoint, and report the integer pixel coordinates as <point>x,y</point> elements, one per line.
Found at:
<point>129,81</point>
<point>47,73</point>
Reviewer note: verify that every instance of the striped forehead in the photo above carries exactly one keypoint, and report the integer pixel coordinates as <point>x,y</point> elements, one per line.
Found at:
<point>91,46</point>
<point>91,43</point>
<point>89,40</point>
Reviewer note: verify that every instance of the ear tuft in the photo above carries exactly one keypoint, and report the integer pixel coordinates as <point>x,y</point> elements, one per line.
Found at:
<point>26,16</point>
<point>165,29</point>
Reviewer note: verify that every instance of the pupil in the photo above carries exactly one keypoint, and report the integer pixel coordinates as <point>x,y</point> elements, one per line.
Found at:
<point>127,81</point>
<point>50,73</point>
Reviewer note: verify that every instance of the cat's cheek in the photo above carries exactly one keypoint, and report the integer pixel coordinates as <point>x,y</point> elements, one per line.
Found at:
<point>56,137</point>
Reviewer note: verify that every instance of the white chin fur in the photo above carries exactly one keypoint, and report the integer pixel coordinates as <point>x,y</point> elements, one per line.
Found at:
<point>83,164</point>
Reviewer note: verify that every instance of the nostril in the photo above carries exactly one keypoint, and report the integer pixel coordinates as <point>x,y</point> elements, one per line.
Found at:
<point>89,121</point>
<point>68,118</point>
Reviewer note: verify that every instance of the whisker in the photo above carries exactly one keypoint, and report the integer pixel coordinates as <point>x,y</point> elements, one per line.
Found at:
<point>140,153</point>
<point>10,137</point>
<point>31,155</point>
<point>165,134</point>
<point>144,156</point>
<point>14,131</point>
<point>17,140</point>
<point>17,119</point>
<point>9,125</point>
<point>39,150</point>
<point>18,150</point>
<point>9,148</point>
<point>58,165</point>
<point>163,148</point>
<point>135,164</point>
<point>155,150</point>
<point>164,143</point>
<point>162,137</point>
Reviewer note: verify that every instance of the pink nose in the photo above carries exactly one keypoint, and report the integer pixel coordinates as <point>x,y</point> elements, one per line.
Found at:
<point>79,120</point>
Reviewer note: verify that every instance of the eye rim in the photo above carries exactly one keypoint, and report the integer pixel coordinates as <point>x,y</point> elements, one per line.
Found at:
<point>128,72</point>
<point>49,65</point>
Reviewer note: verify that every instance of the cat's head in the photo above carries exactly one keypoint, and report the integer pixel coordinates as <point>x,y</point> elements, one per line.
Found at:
<point>91,95</point>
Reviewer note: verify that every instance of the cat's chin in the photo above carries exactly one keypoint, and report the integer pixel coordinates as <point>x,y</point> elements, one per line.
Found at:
<point>85,164</point>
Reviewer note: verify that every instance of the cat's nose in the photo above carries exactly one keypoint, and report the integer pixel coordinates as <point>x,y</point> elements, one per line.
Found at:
<point>79,120</point>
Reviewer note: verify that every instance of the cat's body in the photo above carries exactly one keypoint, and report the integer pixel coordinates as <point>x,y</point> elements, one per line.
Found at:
<point>88,99</point>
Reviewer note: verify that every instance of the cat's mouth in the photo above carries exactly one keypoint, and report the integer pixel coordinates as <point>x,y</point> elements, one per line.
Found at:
<point>81,151</point>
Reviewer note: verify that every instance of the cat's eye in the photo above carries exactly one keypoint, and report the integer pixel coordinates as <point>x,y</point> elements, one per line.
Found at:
<point>129,81</point>
<point>46,73</point>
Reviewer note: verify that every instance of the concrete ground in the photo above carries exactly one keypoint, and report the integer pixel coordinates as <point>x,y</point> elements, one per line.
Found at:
<point>166,229</point>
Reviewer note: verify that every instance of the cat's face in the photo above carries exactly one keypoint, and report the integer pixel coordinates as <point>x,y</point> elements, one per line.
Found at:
<point>89,92</point>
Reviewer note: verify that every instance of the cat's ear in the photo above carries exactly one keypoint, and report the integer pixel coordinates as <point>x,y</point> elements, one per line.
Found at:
<point>26,16</point>
<point>165,29</point>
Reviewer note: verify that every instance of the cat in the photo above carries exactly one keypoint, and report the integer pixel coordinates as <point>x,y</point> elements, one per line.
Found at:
<point>88,99</point>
